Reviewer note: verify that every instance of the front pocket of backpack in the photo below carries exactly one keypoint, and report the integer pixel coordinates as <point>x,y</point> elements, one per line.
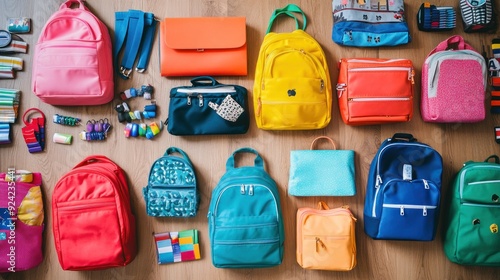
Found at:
<point>381,90</point>
<point>457,96</point>
<point>409,210</point>
<point>89,234</point>
<point>328,252</point>
<point>478,237</point>
<point>171,201</point>
<point>290,102</point>
<point>67,69</point>
<point>246,245</point>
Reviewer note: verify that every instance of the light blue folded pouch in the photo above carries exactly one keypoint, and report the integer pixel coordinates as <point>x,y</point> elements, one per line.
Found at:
<point>322,172</point>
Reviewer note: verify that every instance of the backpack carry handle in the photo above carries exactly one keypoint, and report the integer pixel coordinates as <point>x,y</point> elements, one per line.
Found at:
<point>67,4</point>
<point>172,150</point>
<point>323,206</point>
<point>204,81</point>
<point>497,159</point>
<point>403,136</point>
<point>323,137</point>
<point>288,10</point>
<point>455,42</point>
<point>93,159</point>
<point>259,162</point>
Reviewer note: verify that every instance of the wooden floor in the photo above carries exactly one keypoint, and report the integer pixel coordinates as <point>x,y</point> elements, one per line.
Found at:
<point>386,260</point>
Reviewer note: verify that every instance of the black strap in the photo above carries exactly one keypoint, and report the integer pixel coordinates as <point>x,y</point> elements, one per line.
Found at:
<point>403,136</point>
<point>497,159</point>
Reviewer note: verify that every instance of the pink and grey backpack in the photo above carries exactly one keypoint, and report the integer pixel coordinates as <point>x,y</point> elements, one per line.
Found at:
<point>73,59</point>
<point>454,80</point>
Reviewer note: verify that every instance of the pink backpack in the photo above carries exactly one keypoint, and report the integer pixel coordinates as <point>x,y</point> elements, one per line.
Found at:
<point>453,83</point>
<point>73,59</point>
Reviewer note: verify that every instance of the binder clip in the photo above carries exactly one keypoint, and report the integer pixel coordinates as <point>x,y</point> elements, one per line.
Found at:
<point>34,131</point>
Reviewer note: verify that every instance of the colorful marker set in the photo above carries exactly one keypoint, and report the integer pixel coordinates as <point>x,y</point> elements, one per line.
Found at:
<point>434,18</point>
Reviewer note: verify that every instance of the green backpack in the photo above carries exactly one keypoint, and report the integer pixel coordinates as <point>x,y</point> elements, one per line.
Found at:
<point>471,227</point>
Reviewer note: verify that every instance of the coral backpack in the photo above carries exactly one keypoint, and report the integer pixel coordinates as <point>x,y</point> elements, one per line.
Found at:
<point>73,63</point>
<point>93,225</point>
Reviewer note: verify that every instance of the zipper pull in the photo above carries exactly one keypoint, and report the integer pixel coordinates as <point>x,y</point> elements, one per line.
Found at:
<point>402,210</point>
<point>200,98</point>
<point>424,213</point>
<point>340,89</point>
<point>426,185</point>
<point>189,99</point>
<point>320,243</point>
<point>378,182</point>
<point>411,74</point>
<point>322,86</point>
<point>250,190</point>
<point>242,189</point>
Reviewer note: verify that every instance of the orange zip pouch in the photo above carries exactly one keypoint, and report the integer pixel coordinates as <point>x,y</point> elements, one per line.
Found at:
<point>200,46</point>
<point>375,91</point>
<point>326,238</point>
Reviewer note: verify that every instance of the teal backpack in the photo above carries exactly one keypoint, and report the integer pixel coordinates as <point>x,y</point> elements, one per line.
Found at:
<point>172,188</point>
<point>245,224</point>
<point>471,227</point>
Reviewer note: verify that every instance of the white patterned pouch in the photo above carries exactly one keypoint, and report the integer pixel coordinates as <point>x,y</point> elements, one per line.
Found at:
<point>229,109</point>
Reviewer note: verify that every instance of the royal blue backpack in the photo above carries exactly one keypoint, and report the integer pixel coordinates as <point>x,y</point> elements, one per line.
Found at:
<point>403,191</point>
<point>245,224</point>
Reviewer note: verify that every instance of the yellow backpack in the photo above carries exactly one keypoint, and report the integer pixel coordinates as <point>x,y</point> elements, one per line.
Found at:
<point>292,89</point>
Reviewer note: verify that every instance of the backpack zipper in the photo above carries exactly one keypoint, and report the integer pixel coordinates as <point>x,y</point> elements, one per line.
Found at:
<point>411,72</point>
<point>402,207</point>
<point>462,176</point>
<point>379,186</point>
<point>90,204</point>
<point>243,192</point>
<point>198,92</point>
<point>376,99</point>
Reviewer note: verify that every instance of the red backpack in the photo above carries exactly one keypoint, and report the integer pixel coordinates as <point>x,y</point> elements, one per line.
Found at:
<point>93,225</point>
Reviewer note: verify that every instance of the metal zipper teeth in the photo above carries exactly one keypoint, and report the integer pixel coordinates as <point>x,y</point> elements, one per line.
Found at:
<point>425,182</point>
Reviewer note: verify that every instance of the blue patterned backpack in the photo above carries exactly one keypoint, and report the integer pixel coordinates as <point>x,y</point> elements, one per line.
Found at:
<point>172,189</point>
